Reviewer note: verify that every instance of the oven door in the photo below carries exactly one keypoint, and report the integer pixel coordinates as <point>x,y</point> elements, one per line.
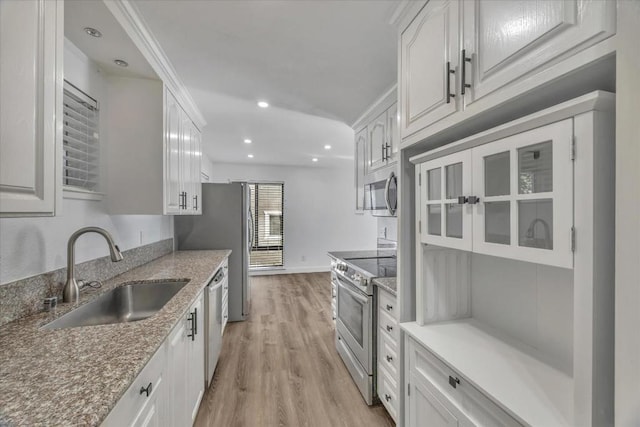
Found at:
<point>355,321</point>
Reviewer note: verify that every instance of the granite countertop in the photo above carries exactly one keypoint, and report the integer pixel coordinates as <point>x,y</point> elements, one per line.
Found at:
<point>387,283</point>
<point>76,376</point>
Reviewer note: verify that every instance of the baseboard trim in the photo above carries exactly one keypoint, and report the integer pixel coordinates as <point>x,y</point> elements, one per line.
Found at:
<point>291,270</point>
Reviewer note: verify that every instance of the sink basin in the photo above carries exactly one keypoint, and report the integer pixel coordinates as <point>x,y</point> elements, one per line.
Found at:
<point>127,303</point>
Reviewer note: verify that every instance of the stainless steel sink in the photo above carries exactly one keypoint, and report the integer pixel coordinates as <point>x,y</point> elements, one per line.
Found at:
<point>127,303</point>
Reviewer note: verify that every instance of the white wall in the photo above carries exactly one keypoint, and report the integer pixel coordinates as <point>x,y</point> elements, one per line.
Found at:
<point>318,211</point>
<point>31,246</point>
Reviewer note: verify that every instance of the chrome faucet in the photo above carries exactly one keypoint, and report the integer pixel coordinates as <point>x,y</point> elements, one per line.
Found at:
<point>547,232</point>
<point>71,291</point>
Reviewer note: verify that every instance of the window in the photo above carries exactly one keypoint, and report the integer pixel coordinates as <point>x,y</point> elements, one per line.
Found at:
<point>81,151</point>
<point>267,210</point>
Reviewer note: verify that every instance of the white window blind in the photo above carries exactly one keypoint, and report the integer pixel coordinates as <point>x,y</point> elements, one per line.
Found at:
<point>267,209</point>
<point>81,158</point>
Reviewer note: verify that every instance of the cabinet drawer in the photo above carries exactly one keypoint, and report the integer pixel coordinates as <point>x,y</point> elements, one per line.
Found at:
<point>388,354</point>
<point>133,402</point>
<point>388,325</point>
<point>387,303</point>
<point>388,392</point>
<point>460,395</point>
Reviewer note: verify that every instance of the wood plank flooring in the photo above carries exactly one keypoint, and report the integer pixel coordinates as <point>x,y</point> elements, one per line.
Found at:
<point>281,368</point>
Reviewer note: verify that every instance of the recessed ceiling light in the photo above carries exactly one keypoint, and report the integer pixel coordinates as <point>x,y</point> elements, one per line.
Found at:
<point>247,141</point>
<point>92,32</point>
<point>315,159</point>
<point>121,63</point>
<point>250,156</point>
<point>263,104</point>
<point>327,147</point>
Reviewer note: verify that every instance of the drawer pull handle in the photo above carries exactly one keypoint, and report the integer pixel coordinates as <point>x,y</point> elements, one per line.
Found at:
<point>389,358</point>
<point>146,390</point>
<point>387,397</point>
<point>453,382</point>
<point>389,328</point>
<point>389,307</point>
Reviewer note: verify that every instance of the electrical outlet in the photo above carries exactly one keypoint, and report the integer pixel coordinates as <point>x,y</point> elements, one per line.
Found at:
<point>303,258</point>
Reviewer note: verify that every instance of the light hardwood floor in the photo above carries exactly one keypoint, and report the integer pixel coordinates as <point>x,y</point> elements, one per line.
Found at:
<point>281,368</point>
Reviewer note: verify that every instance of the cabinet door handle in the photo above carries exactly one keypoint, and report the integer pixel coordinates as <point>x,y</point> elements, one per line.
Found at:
<point>389,328</point>
<point>146,390</point>
<point>387,397</point>
<point>449,72</point>
<point>195,321</point>
<point>195,203</point>
<point>389,307</point>
<point>191,319</point>
<point>383,157</point>
<point>453,382</point>
<point>465,85</point>
<point>389,358</point>
<point>473,200</point>
<point>462,200</point>
<point>386,151</point>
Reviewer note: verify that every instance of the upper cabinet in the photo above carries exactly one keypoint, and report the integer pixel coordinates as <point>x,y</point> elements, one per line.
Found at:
<point>506,41</point>
<point>377,143</point>
<point>455,53</point>
<point>428,63</point>
<point>30,105</point>
<point>360,161</point>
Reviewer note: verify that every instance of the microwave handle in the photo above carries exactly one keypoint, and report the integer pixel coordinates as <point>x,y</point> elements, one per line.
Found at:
<point>386,194</point>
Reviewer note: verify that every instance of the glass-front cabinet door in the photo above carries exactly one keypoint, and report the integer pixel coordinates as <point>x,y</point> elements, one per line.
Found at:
<point>525,188</point>
<point>445,212</point>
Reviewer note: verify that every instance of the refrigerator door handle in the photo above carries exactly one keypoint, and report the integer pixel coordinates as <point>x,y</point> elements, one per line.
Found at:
<point>250,221</point>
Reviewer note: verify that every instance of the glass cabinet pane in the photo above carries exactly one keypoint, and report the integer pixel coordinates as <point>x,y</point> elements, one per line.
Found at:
<point>497,222</point>
<point>434,217</point>
<point>535,223</point>
<point>434,184</point>
<point>535,168</point>
<point>454,220</point>
<point>496,174</point>
<point>454,181</point>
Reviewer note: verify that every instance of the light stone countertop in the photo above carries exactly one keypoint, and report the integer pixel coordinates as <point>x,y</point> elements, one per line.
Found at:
<point>389,284</point>
<point>75,376</point>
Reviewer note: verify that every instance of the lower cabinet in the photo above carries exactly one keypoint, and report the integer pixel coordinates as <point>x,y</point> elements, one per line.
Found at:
<point>439,396</point>
<point>388,362</point>
<point>169,389</point>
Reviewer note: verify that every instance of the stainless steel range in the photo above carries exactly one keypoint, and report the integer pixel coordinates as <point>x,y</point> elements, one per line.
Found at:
<point>351,276</point>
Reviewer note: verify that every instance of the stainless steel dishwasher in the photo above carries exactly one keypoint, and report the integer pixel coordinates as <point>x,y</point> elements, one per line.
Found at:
<point>214,323</point>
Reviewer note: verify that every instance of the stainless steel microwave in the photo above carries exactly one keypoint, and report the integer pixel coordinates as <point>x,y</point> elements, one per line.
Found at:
<point>381,197</point>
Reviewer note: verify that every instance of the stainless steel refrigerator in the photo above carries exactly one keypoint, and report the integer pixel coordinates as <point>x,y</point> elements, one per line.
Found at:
<point>226,223</point>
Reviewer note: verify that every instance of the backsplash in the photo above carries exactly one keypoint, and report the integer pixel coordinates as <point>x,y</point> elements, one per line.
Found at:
<point>25,296</point>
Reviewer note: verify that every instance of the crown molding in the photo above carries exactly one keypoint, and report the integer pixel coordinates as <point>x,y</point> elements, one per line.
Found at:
<point>129,17</point>
<point>382,103</point>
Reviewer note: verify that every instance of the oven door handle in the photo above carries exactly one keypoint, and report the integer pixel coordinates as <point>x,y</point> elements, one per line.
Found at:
<point>355,295</point>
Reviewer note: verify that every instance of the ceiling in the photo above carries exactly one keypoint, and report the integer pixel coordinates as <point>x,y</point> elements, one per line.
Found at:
<point>319,63</point>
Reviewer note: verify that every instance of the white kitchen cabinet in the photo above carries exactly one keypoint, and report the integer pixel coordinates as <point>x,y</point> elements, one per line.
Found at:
<point>438,395</point>
<point>429,55</point>
<point>195,359</point>
<point>506,41</point>
<point>455,53</point>
<point>510,198</point>
<point>382,142</point>
<point>141,404</point>
<point>360,160</point>
<point>185,367</point>
<point>31,34</point>
<point>445,219</point>
<point>172,187</point>
<point>388,353</point>
<point>224,310</point>
<point>524,320</point>
<point>152,161</point>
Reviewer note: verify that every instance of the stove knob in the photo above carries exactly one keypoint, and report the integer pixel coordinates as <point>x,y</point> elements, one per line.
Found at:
<point>342,267</point>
